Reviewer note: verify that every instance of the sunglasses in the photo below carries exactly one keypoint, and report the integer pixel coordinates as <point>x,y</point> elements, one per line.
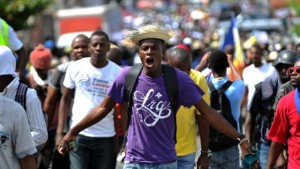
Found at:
<point>295,69</point>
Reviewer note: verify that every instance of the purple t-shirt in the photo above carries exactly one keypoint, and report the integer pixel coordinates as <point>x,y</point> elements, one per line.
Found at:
<point>151,129</point>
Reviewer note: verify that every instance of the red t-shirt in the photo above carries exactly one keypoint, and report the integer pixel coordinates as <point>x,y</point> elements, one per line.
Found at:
<point>286,128</point>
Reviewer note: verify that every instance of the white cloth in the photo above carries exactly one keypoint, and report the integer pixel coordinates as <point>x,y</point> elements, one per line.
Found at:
<point>38,79</point>
<point>14,42</point>
<point>16,141</point>
<point>91,86</point>
<point>7,61</point>
<point>253,75</point>
<point>34,111</point>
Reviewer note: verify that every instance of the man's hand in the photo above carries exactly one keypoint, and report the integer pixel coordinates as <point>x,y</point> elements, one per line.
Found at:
<point>246,147</point>
<point>67,143</point>
<point>58,138</point>
<point>203,161</point>
<point>281,162</point>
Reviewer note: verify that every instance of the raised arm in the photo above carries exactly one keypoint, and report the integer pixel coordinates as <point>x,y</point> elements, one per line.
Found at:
<point>96,115</point>
<point>235,73</point>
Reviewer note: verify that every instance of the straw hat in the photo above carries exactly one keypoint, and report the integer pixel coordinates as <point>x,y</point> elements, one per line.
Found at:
<point>150,32</point>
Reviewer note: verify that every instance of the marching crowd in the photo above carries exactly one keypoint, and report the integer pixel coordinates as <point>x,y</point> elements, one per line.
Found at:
<point>83,113</point>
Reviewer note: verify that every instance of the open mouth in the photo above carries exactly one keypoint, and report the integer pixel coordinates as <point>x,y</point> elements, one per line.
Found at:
<point>149,61</point>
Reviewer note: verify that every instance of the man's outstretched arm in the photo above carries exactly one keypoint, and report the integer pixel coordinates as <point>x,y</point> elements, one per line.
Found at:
<point>96,115</point>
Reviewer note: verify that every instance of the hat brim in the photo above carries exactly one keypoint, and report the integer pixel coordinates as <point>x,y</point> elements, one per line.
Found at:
<point>151,35</point>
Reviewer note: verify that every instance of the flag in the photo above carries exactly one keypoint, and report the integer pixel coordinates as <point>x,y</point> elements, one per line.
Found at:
<point>232,37</point>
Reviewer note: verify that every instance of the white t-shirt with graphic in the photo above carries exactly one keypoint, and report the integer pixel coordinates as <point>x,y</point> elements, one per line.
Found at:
<point>91,85</point>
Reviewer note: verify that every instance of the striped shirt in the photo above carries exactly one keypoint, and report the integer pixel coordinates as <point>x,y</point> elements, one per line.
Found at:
<point>34,111</point>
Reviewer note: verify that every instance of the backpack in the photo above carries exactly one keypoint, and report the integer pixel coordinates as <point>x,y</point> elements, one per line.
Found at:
<point>261,109</point>
<point>220,102</point>
<point>170,79</point>
<point>21,98</point>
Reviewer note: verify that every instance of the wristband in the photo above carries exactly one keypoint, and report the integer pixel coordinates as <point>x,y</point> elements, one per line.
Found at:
<point>204,151</point>
<point>241,137</point>
<point>243,140</point>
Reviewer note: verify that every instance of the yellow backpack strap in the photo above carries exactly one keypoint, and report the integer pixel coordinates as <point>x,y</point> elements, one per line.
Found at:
<point>4,33</point>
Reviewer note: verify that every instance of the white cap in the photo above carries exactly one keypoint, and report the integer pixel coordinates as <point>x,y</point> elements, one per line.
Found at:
<point>7,61</point>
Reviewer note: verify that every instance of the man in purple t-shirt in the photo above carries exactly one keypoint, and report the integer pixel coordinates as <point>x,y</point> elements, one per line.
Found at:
<point>151,130</point>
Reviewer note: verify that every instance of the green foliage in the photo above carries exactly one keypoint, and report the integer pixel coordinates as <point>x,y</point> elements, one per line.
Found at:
<point>18,12</point>
<point>295,5</point>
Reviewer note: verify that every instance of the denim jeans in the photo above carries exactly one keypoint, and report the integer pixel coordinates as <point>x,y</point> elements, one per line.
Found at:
<point>263,154</point>
<point>224,159</point>
<point>92,153</point>
<point>133,165</point>
<point>186,162</point>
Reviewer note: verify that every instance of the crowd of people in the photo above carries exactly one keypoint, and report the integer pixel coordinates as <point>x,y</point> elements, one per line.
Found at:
<point>85,112</point>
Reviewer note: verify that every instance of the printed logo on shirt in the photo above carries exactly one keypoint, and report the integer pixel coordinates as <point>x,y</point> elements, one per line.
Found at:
<point>150,108</point>
<point>95,86</point>
<point>4,137</point>
<point>84,80</point>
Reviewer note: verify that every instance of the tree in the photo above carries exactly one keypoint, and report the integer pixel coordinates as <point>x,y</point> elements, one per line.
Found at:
<point>20,13</point>
<point>296,7</point>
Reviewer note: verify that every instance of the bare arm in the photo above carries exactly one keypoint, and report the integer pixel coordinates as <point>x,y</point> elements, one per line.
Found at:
<point>124,115</point>
<point>22,61</point>
<point>235,73</point>
<point>203,63</point>
<point>51,102</point>
<point>275,150</point>
<point>204,137</point>
<point>97,114</point>
<point>27,162</point>
<point>64,109</point>
<point>249,127</point>
<point>116,125</point>
<point>215,120</point>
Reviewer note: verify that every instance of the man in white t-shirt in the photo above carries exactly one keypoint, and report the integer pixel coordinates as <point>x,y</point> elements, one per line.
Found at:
<point>16,144</point>
<point>258,71</point>
<point>89,80</point>
<point>253,74</point>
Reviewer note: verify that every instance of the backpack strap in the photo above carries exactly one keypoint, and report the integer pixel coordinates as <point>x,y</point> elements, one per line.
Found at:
<point>21,94</point>
<point>170,78</point>
<point>130,82</point>
<point>223,88</point>
<point>171,85</point>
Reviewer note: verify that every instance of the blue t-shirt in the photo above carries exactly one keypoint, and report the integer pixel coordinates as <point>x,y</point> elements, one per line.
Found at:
<point>234,93</point>
<point>151,129</point>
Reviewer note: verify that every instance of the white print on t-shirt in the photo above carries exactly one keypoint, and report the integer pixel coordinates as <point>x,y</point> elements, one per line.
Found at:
<point>148,103</point>
<point>95,86</point>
